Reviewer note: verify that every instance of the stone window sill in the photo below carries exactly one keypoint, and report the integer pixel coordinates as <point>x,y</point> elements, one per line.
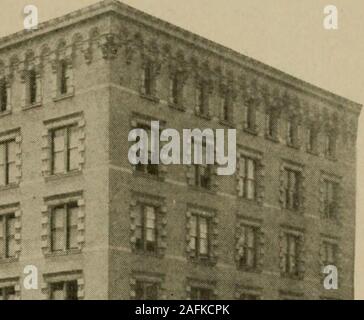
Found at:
<point>331,158</point>
<point>9,186</point>
<point>148,176</point>
<point>227,123</point>
<point>32,106</point>
<point>314,153</point>
<point>273,139</point>
<point>202,189</point>
<point>291,276</point>
<point>249,269</point>
<point>177,107</point>
<point>293,146</point>
<point>146,254</point>
<point>203,116</point>
<point>209,262</point>
<point>150,97</point>
<point>8,260</point>
<point>62,253</point>
<point>5,113</point>
<point>253,132</point>
<point>63,175</point>
<point>65,96</point>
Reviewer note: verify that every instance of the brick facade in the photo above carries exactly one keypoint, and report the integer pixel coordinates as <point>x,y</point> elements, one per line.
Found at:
<point>107,48</point>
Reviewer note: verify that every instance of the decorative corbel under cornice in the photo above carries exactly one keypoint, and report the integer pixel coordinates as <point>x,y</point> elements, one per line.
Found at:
<point>109,46</point>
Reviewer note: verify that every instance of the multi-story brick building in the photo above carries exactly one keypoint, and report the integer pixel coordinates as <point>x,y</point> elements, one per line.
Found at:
<point>96,227</point>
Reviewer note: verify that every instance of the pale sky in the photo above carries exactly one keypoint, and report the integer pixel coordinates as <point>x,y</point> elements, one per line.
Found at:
<point>286,34</point>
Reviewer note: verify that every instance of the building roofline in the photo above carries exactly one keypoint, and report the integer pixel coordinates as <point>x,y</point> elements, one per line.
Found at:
<point>128,12</point>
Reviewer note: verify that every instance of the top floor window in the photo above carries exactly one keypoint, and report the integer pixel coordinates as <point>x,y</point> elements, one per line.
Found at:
<point>226,106</point>
<point>202,99</point>
<point>176,89</point>
<point>32,86</point>
<point>292,133</point>
<point>63,77</point>
<point>311,139</point>
<point>3,95</point>
<point>330,145</point>
<point>271,124</point>
<point>149,78</point>
<point>250,117</point>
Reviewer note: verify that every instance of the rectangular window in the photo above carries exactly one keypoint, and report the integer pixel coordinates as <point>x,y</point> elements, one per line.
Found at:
<point>226,107</point>
<point>250,117</point>
<point>65,155</point>
<point>330,145</point>
<point>7,293</point>
<point>329,253</point>
<point>200,237</point>
<point>291,254</point>
<point>64,227</point>
<point>148,79</point>
<point>7,236</point>
<point>146,229</point>
<point>63,77</point>
<point>64,290</point>
<point>248,247</point>
<point>292,132</point>
<point>311,140</point>
<point>152,169</point>
<point>203,176</point>
<point>271,122</point>
<point>3,95</point>
<point>175,90</point>
<point>7,162</point>
<point>247,178</point>
<point>202,99</point>
<point>32,86</point>
<point>292,189</point>
<point>198,293</point>
<point>330,199</point>
<point>146,290</point>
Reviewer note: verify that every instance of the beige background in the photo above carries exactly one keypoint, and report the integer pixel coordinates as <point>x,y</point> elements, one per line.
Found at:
<point>286,34</point>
